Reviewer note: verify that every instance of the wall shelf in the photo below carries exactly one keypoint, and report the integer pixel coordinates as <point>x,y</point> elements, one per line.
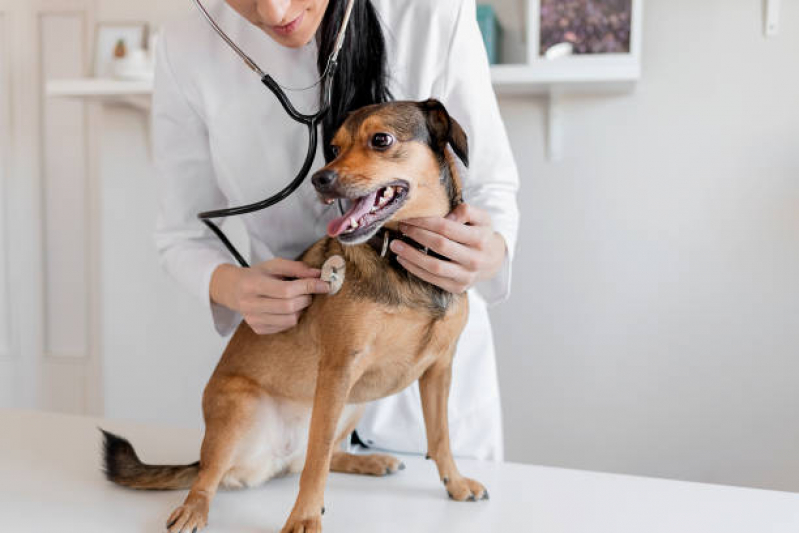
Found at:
<point>132,93</point>
<point>544,78</point>
<point>550,79</point>
<point>538,79</point>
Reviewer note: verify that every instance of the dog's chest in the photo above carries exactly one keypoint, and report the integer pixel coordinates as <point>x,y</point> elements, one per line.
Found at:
<point>404,344</point>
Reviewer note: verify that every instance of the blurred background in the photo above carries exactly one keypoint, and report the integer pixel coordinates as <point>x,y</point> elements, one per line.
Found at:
<point>653,327</point>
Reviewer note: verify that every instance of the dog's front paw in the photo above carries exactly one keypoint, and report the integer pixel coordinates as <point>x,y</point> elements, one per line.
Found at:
<point>463,489</point>
<point>305,525</point>
<point>190,517</point>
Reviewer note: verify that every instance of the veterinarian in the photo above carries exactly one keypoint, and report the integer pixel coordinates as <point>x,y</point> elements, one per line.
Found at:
<point>220,138</point>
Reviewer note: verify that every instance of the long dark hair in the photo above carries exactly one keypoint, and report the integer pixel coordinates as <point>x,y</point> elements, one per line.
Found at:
<point>362,76</point>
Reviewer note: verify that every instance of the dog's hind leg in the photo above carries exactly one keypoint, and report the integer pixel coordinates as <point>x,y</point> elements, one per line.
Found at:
<point>375,464</point>
<point>434,390</point>
<point>230,404</point>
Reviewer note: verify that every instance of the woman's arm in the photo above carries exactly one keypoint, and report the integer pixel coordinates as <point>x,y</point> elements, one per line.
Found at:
<point>480,236</point>
<point>267,295</point>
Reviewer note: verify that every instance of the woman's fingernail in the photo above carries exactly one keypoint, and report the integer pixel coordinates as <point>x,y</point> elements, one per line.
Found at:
<point>323,286</point>
<point>397,246</point>
<point>403,227</point>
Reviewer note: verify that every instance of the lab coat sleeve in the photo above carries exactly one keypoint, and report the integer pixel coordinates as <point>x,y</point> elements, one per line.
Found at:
<point>188,250</point>
<point>492,180</point>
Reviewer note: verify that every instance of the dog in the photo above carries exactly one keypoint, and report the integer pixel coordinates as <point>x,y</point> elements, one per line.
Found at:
<point>283,403</point>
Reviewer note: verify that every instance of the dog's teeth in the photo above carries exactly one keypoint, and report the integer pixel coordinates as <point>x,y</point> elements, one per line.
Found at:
<point>389,192</point>
<point>353,223</point>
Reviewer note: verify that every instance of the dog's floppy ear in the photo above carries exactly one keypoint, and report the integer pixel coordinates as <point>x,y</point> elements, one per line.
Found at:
<point>444,129</point>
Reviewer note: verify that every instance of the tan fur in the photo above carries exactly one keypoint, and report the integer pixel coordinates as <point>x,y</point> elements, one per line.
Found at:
<point>347,349</point>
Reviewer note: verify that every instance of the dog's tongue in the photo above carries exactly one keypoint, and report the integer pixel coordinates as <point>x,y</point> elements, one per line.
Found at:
<point>358,209</point>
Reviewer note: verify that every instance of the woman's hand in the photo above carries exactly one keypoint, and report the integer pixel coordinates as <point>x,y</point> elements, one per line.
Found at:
<point>465,236</point>
<point>270,295</point>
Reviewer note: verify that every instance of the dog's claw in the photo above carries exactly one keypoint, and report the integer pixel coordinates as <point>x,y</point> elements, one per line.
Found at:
<point>445,480</point>
<point>323,509</point>
<point>170,524</point>
<point>427,457</point>
<point>471,498</point>
<point>485,496</point>
<point>401,466</point>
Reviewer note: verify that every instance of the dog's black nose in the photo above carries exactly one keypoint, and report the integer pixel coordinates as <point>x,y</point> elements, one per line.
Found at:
<point>324,180</point>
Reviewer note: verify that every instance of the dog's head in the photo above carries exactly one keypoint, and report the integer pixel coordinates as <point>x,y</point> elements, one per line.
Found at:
<point>391,164</point>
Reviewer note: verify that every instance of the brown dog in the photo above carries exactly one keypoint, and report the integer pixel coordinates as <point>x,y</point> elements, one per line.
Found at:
<point>282,403</point>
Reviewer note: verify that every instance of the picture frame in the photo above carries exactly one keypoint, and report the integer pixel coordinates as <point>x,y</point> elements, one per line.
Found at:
<point>584,27</point>
<point>627,61</point>
<point>132,35</point>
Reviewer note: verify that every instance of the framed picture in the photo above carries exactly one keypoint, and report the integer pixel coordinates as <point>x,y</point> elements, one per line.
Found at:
<point>116,40</point>
<point>586,31</point>
<point>585,26</point>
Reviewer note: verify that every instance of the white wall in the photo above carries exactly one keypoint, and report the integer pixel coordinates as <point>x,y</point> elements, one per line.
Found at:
<point>5,167</point>
<point>654,325</point>
<point>156,12</point>
<point>654,322</point>
<point>43,300</point>
<point>159,346</point>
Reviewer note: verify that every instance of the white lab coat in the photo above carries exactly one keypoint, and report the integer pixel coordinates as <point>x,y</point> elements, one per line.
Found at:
<point>221,139</point>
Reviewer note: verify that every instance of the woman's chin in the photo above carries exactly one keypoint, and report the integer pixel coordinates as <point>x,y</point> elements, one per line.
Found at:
<point>296,39</point>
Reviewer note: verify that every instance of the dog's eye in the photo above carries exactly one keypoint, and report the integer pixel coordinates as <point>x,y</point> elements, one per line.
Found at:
<point>381,141</point>
<point>335,150</point>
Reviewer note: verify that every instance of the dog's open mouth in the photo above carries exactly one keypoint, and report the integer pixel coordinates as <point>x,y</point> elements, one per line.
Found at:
<point>366,213</point>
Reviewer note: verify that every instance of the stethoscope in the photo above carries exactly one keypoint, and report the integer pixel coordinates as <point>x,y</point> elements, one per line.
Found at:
<point>310,121</point>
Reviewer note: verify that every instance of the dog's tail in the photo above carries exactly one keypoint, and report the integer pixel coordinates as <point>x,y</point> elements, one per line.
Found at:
<point>122,466</point>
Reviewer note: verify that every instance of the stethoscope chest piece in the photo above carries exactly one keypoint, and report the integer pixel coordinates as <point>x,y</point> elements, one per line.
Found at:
<point>333,273</point>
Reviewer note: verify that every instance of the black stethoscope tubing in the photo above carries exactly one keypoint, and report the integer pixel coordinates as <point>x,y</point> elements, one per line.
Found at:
<point>311,121</point>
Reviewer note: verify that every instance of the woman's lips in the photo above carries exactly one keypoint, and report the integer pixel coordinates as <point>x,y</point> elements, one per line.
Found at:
<point>290,27</point>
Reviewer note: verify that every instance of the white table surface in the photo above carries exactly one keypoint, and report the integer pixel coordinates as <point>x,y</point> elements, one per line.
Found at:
<point>50,480</point>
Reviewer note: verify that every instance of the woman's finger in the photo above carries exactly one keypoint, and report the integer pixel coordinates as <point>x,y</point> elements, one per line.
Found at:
<point>276,321</point>
<point>441,245</point>
<point>433,265</point>
<point>289,269</point>
<point>262,329</point>
<point>444,283</point>
<point>454,231</point>
<point>279,306</point>
<point>270,287</point>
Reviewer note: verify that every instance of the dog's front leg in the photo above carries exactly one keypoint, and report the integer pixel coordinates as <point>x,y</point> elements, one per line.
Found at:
<point>333,384</point>
<point>434,391</point>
